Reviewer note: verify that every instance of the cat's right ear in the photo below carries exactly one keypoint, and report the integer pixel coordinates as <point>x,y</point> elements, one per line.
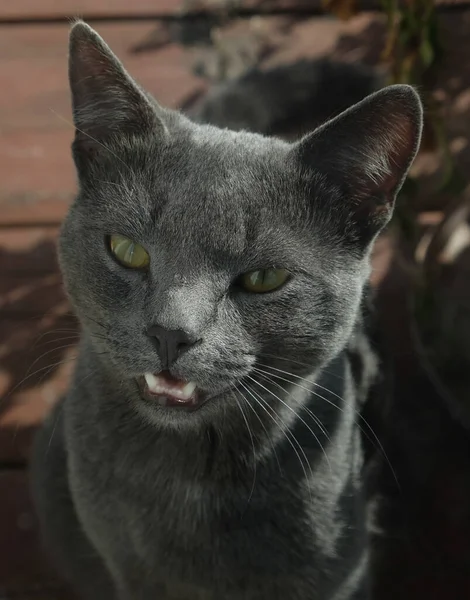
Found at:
<point>106,102</point>
<point>365,152</point>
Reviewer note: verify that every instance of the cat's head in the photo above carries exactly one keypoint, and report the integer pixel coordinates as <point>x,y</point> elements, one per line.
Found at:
<point>202,255</point>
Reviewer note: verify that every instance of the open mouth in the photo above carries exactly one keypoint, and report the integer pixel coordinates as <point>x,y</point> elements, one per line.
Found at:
<point>166,390</point>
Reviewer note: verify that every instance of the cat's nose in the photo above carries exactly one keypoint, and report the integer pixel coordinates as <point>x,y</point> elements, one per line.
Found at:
<point>170,343</point>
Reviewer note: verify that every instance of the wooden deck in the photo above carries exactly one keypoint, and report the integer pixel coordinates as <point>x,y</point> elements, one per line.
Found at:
<point>37,331</point>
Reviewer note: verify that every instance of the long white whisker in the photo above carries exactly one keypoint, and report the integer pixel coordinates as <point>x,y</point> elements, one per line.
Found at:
<point>119,185</point>
<point>91,138</point>
<point>61,339</point>
<point>285,430</point>
<point>47,367</point>
<point>342,400</point>
<point>298,416</point>
<point>305,408</point>
<point>340,408</point>
<point>53,331</point>
<point>57,348</point>
<point>298,362</point>
<point>266,432</point>
<point>253,445</point>
<point>59,410</point>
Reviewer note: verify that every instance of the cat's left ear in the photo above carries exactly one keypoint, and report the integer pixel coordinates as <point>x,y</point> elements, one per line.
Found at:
<point>106,102</point>
<point>366,152</point>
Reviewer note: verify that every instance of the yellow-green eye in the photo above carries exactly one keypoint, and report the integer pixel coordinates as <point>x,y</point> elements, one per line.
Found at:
<point>128,253</point>
<point>264,280</point>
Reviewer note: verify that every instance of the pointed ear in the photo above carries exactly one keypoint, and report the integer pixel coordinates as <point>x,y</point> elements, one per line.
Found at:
<point>105,100</point>
<point>366,152</point>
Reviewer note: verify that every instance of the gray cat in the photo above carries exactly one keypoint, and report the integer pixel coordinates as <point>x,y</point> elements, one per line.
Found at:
<point>210,445</point>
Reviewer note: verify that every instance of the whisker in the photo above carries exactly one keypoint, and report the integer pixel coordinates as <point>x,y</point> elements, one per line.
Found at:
<point>43,376</point>
<point>46,333</point>
<point>40,370</point>
<point>92,138</point>
<point>305,408</point>
<point>253,445</point>
<point>59,410</point>
<point>61,339</point>
<point>64,347</point>
<point>50,367</point>
<point>297,362</point>
<point>119,185</point>
<point>284,429</point>
<point>76,336</point>
<point>53,331</point>
<point>340,408</point>
<point>266,432</point>
<point>342,400</point>
<point>298,416</point>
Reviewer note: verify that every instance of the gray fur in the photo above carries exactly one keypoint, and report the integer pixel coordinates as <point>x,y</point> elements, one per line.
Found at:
<point>259,494</point>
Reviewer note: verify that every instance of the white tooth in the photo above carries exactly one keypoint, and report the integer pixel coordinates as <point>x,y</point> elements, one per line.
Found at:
<point>151,381</point>
<point>188,389</point>
<point>158,386</point>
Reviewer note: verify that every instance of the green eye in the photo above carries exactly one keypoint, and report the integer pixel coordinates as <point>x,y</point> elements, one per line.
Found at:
<point>128,253</point>
<point>264,280</point>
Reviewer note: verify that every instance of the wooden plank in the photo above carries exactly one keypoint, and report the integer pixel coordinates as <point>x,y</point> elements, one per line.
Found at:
<point>29,209</point>
<point>77,8</point>
<point>118,10</point>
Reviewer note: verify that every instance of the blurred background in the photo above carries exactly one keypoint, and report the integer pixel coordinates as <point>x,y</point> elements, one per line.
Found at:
<point>177,49</point>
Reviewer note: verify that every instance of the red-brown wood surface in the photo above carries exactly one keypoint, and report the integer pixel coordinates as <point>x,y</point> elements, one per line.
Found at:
<point>29,9</point>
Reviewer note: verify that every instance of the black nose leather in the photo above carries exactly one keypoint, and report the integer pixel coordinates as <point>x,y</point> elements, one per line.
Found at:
<point>170,343</point>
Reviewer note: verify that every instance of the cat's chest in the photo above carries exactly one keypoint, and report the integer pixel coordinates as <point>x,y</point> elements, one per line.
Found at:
<point>160,513</point>
<point>148,517</point>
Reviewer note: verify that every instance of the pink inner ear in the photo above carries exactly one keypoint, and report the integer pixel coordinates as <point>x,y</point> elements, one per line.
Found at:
<point>368,149</point>
<point>89,58</point>
<point>91,63</point>
<point>403,135</point>
<point>96,75</point>
<point>394,139</point>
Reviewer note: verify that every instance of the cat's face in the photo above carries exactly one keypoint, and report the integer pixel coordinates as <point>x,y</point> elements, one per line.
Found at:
<point>206,214</point>
<point>249,253</point>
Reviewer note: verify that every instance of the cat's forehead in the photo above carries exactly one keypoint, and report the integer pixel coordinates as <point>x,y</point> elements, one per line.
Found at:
<point>210,153</point>
<point>210,189</point>
<point>224,184</point>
